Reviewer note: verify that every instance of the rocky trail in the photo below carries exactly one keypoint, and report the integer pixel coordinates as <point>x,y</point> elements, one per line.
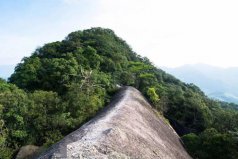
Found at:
<point>127,128</point>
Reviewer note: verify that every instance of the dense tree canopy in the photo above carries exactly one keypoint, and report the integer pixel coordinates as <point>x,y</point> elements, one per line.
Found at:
<point>65,83</point>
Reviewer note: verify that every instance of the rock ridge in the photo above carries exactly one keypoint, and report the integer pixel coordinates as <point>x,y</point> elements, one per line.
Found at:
<point>128,128</point>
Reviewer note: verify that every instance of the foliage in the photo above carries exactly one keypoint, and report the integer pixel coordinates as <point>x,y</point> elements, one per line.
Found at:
<point>211,144</point>
<point>153,96</point>
<point>65,83</point>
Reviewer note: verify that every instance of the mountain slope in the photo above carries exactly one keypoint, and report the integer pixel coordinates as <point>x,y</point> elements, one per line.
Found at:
<point>217,83</point>
<point>128,128</point>
<point>64,84</point>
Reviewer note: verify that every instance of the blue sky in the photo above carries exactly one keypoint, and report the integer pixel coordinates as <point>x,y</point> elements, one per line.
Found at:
<point>27,24</point>
<point>171,33</point>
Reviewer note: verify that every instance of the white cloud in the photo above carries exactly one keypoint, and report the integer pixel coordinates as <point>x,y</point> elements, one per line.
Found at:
<point>170,33</point>
<point>25,34</point>
<point>14,48</point>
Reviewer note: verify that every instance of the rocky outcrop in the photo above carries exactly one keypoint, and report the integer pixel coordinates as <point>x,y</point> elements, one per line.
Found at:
<point>28,152</point>
<point>127,128</point>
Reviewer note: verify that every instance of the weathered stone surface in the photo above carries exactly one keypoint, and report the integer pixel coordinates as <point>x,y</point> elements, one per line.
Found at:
<point>27,152</point>
<point>127,128</point>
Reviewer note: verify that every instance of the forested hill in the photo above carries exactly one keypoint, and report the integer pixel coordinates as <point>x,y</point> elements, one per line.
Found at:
<point>217,83</point>
<point>65,83</point>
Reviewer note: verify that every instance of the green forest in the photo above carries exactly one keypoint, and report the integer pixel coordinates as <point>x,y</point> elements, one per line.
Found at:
<point>65,83</point>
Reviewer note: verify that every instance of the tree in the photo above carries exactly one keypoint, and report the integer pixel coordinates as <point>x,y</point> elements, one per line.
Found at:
<point>211,144</point>
<point>5,151</point>
<point>50,117</point>
<point>65,83</point>
<point>153,96</point>
<point>193,144</point>
<point>26,73</point>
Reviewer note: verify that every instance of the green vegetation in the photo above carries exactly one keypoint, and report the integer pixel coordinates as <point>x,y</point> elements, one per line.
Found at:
<point>64,84</point>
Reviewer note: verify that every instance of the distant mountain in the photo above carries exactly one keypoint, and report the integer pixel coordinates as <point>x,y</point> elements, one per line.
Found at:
<point>218,83</point>
<point>64,84</point>
<point>6,71</point>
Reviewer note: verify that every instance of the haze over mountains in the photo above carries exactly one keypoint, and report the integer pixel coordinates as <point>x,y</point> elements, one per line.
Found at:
<point>218,83</point>
<point>64,84</point>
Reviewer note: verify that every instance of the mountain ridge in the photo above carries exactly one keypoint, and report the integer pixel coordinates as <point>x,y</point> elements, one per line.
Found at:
<point>127,128</point>
<point>218,83</point>
<point>63,84</point>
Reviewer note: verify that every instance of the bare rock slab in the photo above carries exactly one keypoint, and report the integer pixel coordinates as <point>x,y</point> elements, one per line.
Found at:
<point>127,129</point>
<point>28,152</point>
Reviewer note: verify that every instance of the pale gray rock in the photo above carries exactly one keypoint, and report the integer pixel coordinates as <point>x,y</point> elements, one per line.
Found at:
<point>28,152</point>
<point>127,129</point>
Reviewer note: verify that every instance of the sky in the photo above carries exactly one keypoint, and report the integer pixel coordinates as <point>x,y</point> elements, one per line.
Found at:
<point>170,33</point>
